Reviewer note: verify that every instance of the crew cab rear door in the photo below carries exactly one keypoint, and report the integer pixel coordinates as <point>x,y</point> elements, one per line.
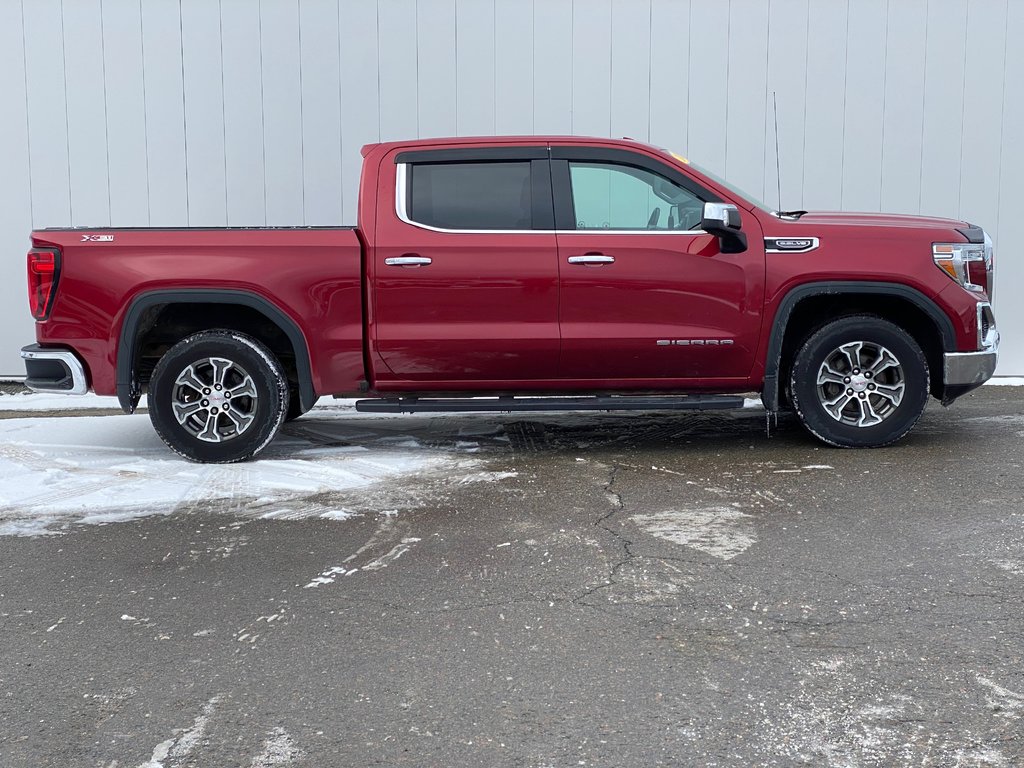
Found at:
<point>464,270</point>
<point>646,295</point>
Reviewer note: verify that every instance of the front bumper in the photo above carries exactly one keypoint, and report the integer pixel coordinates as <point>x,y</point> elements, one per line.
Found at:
<point>54,370</point>
<point>964,371</point>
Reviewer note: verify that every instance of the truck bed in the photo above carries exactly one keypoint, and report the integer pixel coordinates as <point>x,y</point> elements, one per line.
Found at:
<point>312,275</point>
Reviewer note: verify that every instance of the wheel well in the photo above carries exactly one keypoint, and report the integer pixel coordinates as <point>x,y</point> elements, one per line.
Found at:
<point>814,312</point>
<point>164,325</point>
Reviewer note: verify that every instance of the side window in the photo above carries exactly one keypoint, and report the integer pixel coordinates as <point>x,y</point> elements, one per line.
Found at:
<point>613,196</point>
<point>495,195</point>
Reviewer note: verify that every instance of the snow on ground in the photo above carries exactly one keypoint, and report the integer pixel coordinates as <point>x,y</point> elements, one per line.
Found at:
<point>101,469</point>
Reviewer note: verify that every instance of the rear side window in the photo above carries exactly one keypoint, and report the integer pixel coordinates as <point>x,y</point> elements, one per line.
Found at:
<point>471,195</point>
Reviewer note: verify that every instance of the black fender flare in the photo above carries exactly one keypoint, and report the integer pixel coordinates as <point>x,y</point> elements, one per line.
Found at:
<point>773,360</point>
<point>128,389</point>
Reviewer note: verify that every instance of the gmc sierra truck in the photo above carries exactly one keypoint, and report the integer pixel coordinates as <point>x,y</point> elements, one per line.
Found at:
<point>514,274</point>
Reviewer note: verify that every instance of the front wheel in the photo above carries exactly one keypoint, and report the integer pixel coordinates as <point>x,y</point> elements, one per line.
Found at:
<point>859,382</point>
<point>218,397</point>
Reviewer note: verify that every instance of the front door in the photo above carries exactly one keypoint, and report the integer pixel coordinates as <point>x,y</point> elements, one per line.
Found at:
<point>465,272</point>
<point>646,295</point>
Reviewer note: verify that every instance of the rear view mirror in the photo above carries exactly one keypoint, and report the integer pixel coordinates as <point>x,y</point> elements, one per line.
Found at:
<point>723,221</point>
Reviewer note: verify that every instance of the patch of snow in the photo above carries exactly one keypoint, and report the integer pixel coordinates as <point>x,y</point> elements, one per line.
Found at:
<point>180,746</point>
<point>1002,701</point>
<point>819,466</point>
<point>40,401</point>
<point>1006,381</point>
<point>486,477</point>
<point>396,552</point>
<point>106,469</point>
<point>1016,567</point>
<point>722,532</point>
<point>278,749</point>
<point>752,402</point>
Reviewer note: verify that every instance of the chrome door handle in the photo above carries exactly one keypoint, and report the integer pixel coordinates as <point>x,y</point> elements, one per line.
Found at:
<point>408,261</point>
<point>592,258</point>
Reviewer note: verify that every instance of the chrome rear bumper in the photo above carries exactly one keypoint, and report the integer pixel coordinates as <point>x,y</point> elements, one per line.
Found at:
<point>57,371</point>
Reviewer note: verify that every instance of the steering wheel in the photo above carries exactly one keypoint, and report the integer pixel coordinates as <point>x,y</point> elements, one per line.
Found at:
<point>653,221</point>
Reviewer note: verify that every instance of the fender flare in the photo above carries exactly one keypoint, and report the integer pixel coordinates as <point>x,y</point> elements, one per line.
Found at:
<point>773,359</point>
<point>128,389</point>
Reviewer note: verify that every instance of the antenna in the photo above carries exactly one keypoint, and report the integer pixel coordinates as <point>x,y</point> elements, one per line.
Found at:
<point>778,172</point>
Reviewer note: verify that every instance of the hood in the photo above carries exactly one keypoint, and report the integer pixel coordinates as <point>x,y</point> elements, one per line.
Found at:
<point>877,220</point>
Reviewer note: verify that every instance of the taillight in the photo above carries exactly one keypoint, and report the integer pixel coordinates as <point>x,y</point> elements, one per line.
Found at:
<point>43,273</point>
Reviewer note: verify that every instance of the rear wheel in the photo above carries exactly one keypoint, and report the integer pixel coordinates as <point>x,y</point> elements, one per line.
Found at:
<point>218,397</point>
<point>859,382</point>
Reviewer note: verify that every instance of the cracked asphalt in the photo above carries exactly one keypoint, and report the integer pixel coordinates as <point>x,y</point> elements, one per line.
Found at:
<point>619,590</point>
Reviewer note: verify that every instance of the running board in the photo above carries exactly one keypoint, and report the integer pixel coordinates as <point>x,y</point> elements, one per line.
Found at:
<point>511,404</point>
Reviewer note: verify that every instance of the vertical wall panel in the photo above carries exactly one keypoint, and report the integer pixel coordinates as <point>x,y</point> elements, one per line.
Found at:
<point>670,76</point>
<point>903,118</point>
<point>399,96</point>
<point>824,116</point>
<point>360,116</point>
<point>709,83</point>
<point>87,114</point>
<point>1010,229</point>
<point>513,66</point>
<point>204,113</point>
<point>865,86</point>
<point>282,111</point>
<point>47,114</point>
<point>474,52</point>
<point>165,115</point>
<point>435,67</point>
<point>748,81</point>
<point>941,136</point>
<point>321,112</point>
<point>787,87</point>
<point>552,67</point>
<point>243,113</point>
<point>631,69</point>
<point>15,197</point>
<point>124,91</point>
<point>591,67</point>
<point>983,89</point>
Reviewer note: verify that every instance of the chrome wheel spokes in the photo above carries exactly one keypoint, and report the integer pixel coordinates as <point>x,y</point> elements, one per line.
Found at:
<point>214,399</point>
<point>860,383</point>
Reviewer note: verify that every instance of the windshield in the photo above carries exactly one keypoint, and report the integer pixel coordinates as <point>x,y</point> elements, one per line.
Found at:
<point>722,182</point>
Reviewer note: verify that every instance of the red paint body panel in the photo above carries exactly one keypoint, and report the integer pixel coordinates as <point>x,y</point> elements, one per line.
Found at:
<point>312,275</point>
<point>502,311</point>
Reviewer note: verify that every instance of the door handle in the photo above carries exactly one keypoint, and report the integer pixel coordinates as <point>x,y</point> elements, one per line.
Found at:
<point>592,259</point>
<point>409,260</point>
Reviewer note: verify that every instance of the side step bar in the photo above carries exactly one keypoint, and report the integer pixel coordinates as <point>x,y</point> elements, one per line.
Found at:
<point>511,404</point>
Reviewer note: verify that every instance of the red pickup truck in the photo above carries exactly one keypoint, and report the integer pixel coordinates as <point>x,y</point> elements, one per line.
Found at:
<point>520,273</point>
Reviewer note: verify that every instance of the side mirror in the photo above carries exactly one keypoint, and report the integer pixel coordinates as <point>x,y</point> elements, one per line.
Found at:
<point>723,221</point>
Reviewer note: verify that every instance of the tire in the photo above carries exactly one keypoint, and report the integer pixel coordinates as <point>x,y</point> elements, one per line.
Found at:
<point>859,382</point>
<point>230,424</point>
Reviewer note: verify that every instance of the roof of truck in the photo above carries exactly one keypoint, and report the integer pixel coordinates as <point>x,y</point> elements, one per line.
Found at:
<point>463,140</point>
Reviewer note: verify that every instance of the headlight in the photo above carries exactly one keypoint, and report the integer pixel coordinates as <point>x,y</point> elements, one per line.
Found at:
<point>970,264</point>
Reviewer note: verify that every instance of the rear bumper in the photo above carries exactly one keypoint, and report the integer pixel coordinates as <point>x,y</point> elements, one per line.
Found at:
<point>964,371</point>
<point>54,370</point>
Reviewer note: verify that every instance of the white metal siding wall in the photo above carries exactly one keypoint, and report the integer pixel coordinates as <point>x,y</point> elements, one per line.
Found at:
<point>250,112</point>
